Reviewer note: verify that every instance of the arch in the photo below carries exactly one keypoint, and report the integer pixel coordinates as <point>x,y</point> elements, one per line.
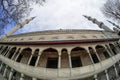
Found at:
<point>5,50</point>
<point>93,55</point>
<point>79,57</point>
<point>24,55</point>
<point>17,52</point>
<point>64,58</point>
<point>118,45</point>
<point>49,58</point>
<point>113,48</point>
<point>1,47</point>
<point>11,52</point>
<point>34,57</point>
<point>102,52</point>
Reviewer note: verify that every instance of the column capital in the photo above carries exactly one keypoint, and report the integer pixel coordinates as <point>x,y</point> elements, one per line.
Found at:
<point>95,77</point>
<point>106,71</point>
<point>114,65</point>
<point>59,53</point>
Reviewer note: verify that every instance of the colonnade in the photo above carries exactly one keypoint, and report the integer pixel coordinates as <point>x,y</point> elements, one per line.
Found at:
<point>57,58</point>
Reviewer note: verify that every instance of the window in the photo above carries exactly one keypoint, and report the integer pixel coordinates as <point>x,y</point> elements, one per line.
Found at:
<point>76,61</point>
<point>19,58</point>
<point>52,62</point>
<point>106,54</point>
<point>94,57</point>
<point>33,60</point>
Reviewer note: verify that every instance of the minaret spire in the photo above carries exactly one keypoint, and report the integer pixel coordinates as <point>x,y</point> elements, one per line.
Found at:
<point>100,24</point>
<point>20,25</point>
<point>114,24</point>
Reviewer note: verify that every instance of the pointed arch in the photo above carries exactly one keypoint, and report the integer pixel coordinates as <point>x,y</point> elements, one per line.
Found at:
<point>34,57</point>
<point>93,55</point>
<point>64,58</point>
<point>49,58</point>
<point>113,48</point>
<point>102,52</point>
<point>79,57</point>
<point>11,52</point>
<point>5,50</point>
<point>24,55</point>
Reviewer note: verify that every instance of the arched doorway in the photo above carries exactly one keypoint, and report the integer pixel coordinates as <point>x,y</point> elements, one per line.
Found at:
<point>49,58</point>
<point>34,57</point>
<point>93,55</point>
<point>113,49</point>
<point>64,59</point>
<point>5,50</point>
<point>79,57</point>
<point>102,52</point>
<point>11,52</point>
<point>24,55</point>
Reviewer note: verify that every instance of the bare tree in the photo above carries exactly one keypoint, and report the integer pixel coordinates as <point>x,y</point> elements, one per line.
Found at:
<point>12,11</point>
<point>111,9</point>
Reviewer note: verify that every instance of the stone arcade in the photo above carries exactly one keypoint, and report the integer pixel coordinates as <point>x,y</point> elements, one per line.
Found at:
<point>60,55</point>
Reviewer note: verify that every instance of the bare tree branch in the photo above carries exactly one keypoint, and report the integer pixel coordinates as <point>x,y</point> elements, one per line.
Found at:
<point>111,9</point>
<point>14,11</point>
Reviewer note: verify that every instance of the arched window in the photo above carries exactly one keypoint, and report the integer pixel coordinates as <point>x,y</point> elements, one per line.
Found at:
<point>49,58</point>
<point>79,57</point>
<point>5,50</point>
<point>113,49</point>
<point>102,52</point>
<point>94,56</point>
<point>34,57</point>
<point>24,55</point>
<point>12,51</point>
<point>64,59</point>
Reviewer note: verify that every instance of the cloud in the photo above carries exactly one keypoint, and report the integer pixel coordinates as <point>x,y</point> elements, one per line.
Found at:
<point>65,14</point>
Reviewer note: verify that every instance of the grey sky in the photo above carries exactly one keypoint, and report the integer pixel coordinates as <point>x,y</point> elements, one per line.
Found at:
<point>66,14</point>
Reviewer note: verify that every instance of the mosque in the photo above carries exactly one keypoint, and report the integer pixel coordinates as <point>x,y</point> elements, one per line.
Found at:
<point>69,54</point>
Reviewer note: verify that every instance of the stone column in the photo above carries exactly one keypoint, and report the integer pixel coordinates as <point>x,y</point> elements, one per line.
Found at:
<point>30,59</point>
<point>107,76</point>
<point>11,74</point>
<point>18,55</point>
<point>116,72</point>
<point>6,52</point>
<point>22,76</point>
<point>34,78</point>
<point>1,66</point>
<point>90,56</point>
<point>36,64</point>
<point>37,61</point>
<point>4,74</point>
<point>15,53</point>
<point>108,51</point>
<point>119,63</point>
<point>1,50</point>
<point>116,47</point>
<point>96,54</point>
<point>95,77</point>
<point>59,61</point>
<point>70,61</point>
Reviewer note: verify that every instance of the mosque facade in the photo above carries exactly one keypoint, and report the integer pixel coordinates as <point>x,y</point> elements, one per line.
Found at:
<point>61,54</point>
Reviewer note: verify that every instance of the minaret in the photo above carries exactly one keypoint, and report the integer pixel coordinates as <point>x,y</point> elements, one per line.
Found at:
<point>100,24</point>
<point>20,25</point>
<point>118,27</point>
